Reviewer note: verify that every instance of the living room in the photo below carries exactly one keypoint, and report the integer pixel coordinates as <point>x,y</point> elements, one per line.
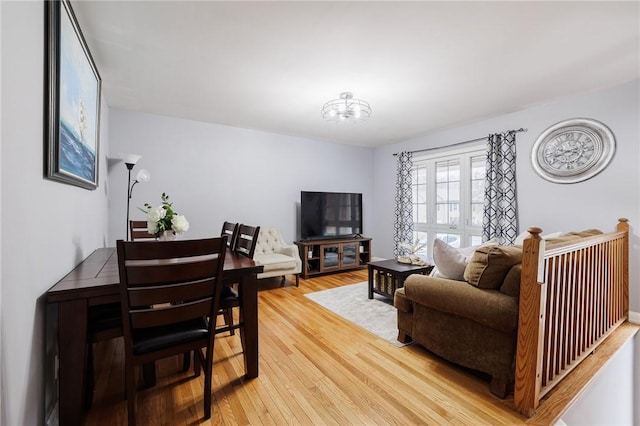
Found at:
<point>48,228</point>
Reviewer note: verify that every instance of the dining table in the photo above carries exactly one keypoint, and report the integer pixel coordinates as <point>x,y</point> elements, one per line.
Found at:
<point>96,281</point>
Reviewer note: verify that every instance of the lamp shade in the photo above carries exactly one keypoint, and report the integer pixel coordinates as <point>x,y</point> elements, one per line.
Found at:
<point>143,176</point>
<point>129,158</point>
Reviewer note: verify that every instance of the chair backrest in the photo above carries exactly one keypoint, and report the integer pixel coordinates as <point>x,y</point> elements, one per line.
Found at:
<point>138,230</point>
<point>230,229</point>
<point>168,282</point>
<point>247,239</point>
<point>270,240</point>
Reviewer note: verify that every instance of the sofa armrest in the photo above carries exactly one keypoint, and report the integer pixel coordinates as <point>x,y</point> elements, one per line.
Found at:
<point>487,307</point>
<point>291,251</point>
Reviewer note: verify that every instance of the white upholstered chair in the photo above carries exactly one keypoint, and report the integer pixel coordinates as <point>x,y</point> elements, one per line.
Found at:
<point>278,258</point>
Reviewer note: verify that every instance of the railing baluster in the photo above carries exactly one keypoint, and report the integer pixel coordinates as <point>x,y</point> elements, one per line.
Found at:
<point>582,299</point>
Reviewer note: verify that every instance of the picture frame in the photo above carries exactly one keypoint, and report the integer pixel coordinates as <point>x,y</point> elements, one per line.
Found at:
<point>72,104</point>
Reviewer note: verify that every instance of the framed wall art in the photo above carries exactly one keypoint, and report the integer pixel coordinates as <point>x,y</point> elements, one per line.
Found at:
<point>72,104</point>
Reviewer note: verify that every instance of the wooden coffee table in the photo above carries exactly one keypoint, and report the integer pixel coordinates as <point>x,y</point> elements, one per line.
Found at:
<point>386,276</point>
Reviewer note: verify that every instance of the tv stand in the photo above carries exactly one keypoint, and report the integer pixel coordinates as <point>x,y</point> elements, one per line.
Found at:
<point>334,255</point>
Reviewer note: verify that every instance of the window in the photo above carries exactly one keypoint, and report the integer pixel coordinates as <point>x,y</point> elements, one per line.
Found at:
<point>448,198</point>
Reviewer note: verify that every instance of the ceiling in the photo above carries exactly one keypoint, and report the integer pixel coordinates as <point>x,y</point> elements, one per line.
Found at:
<point>422,66</point>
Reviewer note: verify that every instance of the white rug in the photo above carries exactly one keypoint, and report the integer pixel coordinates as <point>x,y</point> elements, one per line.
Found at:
<point>377,315</point>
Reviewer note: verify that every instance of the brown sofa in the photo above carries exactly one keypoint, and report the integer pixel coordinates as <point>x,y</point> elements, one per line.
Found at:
<point>472,323</point>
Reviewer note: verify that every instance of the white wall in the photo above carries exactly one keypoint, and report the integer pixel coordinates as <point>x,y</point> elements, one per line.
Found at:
<point>47,227</point>
<point>1,397</point>
<point>613,381</point>
<point>595,203</point>
<point>215,173</point>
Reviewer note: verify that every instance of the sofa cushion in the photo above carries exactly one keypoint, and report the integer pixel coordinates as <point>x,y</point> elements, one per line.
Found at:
<point>489,265</point>
<point>520,238</point>
<point>511,284</point>
<point>275,261</point>
<point>571,236</point>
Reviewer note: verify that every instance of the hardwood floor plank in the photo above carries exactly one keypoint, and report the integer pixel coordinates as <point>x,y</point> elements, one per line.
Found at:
<point>315,368</point>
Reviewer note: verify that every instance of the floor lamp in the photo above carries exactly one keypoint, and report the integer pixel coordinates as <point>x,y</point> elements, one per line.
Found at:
<point>143,175</point>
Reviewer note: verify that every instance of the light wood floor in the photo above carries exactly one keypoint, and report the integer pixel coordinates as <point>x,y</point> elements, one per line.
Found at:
<point>315,368</point>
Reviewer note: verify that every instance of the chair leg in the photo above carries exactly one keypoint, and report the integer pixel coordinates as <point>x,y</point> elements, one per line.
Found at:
<point>208,370</point>
<point>297,280</point>
<point>197,362</point>
<point>186,361</point>
<point>284,279</point>
<point>88,384</point>
<point>228,320</point>
<point>149,374</point>
<point>131,395</point>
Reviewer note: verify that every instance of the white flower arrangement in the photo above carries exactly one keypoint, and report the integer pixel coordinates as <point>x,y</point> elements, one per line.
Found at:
<point>164,218</point>
<point>412,248</point>
<point>412,258</point>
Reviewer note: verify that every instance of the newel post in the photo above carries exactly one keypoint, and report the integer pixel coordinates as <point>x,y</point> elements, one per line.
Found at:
<point>623,226</point>
<point>530,325</point>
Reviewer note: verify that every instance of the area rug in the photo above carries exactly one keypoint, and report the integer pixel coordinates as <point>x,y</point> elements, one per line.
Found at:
<point>377,315</point>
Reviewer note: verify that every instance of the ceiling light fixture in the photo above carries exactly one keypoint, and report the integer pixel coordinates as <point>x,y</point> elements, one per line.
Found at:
<point>346,109</point>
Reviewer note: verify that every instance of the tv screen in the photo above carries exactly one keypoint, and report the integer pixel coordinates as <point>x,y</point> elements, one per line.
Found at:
<point>330,214</point>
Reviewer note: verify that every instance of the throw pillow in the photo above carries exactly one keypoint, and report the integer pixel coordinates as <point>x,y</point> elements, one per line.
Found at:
<point>489,265</point>
<point>450,263</point>
<point>453,259</point>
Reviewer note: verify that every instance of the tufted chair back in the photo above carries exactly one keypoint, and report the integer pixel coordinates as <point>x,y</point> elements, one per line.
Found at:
<point>269,240</point>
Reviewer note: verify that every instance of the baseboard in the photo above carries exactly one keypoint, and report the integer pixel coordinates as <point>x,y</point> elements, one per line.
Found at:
<point>634,317</point>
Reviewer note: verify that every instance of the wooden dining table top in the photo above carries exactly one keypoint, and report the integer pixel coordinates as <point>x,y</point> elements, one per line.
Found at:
<point>98,275</point>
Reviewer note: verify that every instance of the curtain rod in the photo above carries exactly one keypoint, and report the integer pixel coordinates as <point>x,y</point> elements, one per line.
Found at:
<point>461,143</point>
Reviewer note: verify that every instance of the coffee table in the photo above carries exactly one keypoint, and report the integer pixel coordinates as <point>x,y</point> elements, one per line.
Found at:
<point>386,276</point>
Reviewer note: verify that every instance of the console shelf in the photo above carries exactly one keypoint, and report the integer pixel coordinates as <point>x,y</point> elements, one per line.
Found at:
<point>335,255</point>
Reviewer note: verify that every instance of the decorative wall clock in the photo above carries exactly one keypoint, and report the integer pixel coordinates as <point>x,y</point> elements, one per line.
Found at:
<point>573,150</point>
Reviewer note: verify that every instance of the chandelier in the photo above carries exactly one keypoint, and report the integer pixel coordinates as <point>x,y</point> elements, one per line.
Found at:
<point>346,109</point>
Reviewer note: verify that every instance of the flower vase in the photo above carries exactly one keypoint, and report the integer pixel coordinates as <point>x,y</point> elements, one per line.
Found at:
<point>168,236</point>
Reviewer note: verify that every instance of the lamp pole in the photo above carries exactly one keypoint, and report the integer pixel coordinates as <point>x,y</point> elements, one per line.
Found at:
<point>129,190</point>
<point>130,160</point>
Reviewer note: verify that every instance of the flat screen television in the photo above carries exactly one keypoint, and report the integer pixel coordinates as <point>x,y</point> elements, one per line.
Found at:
<point>326,215</point>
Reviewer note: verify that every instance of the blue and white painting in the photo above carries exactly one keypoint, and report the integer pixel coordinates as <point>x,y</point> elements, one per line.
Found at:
<point>79,107</point>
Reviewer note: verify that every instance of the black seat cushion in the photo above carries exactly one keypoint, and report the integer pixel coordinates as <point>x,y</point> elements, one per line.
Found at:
<point>228,296</point>
<point>155,338</point>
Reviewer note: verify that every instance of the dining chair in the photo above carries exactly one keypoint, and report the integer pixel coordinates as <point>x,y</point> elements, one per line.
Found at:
<point>168,290</point>
<point>105,323</point>
<point>138,230</point>
<point>245,245</point>
<point>230,229</point>
<point>246,240</point>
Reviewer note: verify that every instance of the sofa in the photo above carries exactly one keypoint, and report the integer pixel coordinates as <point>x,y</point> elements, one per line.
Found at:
<point>277,257</point>
<point>472,320</point>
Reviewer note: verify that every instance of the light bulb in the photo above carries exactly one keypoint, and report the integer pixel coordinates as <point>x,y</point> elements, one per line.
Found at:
<point>143,176</point>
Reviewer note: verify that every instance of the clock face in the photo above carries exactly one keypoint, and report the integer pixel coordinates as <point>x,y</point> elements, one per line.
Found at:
<point>573,150</point>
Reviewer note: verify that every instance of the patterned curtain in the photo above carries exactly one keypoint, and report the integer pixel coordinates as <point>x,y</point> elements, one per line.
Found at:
<point>403,226</point>
<point>500,202</point>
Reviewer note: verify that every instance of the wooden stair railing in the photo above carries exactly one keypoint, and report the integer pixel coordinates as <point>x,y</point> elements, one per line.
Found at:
<point>571,298</point>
